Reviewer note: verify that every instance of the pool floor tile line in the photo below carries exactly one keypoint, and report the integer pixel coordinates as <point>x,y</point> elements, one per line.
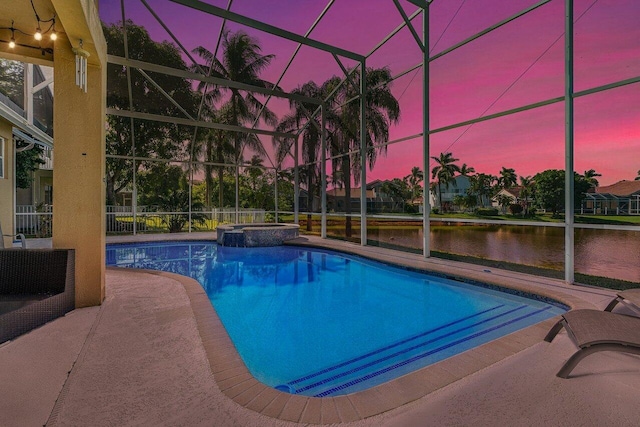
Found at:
<point>390,346</point>
<point>406,350</point>
<point>422,355</point>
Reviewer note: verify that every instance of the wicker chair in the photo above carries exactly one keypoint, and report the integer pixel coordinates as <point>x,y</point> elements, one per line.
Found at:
<point>37,286</point>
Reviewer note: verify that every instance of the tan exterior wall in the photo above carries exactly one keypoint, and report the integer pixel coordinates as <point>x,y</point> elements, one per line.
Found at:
<point>7,183</point>
<point>79,192</point>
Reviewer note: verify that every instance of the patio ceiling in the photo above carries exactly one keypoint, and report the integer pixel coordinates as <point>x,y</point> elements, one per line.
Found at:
<point>70,22</point>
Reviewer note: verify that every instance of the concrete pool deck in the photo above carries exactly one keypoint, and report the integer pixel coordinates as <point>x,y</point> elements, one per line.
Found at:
<point>142,358</point>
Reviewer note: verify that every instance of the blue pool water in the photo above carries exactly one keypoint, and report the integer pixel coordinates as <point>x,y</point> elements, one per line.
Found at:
<point>321,323</point>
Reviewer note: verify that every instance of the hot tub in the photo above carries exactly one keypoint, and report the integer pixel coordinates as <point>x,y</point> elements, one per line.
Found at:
<point>256,235</point>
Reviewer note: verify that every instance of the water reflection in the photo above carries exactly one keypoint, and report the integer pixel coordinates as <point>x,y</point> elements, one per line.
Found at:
<point>607,253</point>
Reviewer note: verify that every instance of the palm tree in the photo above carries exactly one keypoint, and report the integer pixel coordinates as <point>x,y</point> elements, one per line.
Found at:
<point>638,177</point>
<point>466,170</point>
<point>590,177</point>
<point>243,62</point>
<point>444,172</point>
<point>527,187</point>
<point>301,117</point>
<point>414,179</point>
<point>382,109</point>
<point>508,178</point>
<point>481,186</point>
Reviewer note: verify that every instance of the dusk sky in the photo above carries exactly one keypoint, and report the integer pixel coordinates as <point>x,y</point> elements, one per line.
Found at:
<point>518,64</point>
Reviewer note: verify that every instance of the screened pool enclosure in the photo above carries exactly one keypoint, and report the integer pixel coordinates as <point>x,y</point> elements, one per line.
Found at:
<point>443,127</point>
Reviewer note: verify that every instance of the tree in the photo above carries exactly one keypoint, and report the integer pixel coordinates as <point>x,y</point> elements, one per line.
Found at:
<point>242,61</point>
<point>527,192</point>
<point>638,177</point>
<point>590,177</point>
<point>550,190</point>
<point>12,81</point>
<point>481,186</point>
<point>398,190</point>
<point>466,170</point>
<point>508,178</point>
<point>152,139</point>
<point>167,188</point>
<point>27,161</point>
<point>381,110</point>
<point>301,117</point>
<point>504,201</point>
<point>444,172</point>
<point>413,180</point>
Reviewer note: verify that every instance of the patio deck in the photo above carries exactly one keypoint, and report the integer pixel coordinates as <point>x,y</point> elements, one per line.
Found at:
<point>140,359</point>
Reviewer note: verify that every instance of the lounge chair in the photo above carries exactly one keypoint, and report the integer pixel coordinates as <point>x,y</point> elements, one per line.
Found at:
<point>629,298</point>
<point>593,330</point>
<point>19,236</point>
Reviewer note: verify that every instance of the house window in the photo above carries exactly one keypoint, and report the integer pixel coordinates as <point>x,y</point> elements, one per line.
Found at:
<point>1,158</point>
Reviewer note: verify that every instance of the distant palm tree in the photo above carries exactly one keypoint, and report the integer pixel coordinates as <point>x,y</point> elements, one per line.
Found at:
<point>414,179</point>
<point>527,187</point>
<point>243,62</point>
<point>444,172</point>
<point>590,177</point>
<point>466,170</point>
<point>508,178</point>
<point>638,177</point>
<point>481,185</point>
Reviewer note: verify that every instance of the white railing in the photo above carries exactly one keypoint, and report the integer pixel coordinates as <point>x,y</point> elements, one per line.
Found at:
<point>120,219</point>
<point>47,157</point>
<point>32,220</point>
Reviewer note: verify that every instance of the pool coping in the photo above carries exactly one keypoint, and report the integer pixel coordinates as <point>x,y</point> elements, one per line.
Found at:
<point>236,382</point>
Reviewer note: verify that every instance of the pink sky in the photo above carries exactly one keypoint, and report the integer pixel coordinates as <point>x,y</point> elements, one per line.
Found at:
<point>518,64</point>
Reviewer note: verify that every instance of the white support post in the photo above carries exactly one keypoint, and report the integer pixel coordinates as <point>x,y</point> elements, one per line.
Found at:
<point>569,193</point>
<point>28,91</point>
<point>296,183</point>
<point>426,208</point>
<point>323,174</point>
<point>363,154</point>
<point>275,194</point>
<point>237,220</point>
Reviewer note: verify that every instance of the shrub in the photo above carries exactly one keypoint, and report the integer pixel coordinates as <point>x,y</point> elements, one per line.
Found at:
<point>487,211</point>
<point>515,209</point>
<point>435,211</point>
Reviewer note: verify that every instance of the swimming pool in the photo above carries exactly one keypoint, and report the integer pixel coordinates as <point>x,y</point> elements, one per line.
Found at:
<point>319,323</point>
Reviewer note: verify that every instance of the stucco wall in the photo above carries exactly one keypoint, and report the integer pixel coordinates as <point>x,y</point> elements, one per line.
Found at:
<point>6,183</point>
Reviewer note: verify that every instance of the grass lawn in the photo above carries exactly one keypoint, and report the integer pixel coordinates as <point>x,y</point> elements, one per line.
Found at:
<point>579,219</point>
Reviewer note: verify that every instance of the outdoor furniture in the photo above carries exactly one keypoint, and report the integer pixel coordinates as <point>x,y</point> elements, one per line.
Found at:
<point>629,298</point>
<point>20,236</point>
<point>36,286</point>
<point>593,331</point>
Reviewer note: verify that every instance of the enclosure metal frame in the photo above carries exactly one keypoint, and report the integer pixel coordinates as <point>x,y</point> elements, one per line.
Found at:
<point>423,43</point>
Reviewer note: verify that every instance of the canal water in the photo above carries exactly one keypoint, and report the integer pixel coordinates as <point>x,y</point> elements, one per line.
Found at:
<point>606,253</point>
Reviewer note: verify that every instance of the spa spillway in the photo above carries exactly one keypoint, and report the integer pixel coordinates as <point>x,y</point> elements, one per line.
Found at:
<point>255,235</point>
